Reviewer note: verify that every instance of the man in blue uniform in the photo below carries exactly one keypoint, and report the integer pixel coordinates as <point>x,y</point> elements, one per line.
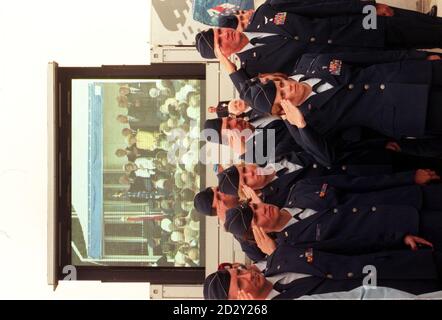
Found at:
<point>326,94</point>
<point>292,272</point>
<point>235,108</point>
<point>279,33</point>
<point>259,140</point>
<point>212,202</point>
<point>347,215</point>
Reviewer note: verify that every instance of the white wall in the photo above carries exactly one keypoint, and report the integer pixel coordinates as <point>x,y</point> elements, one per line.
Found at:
<point>32,33</point>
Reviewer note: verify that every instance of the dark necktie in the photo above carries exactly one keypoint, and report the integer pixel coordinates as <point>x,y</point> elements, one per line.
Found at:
<point>298,215</point>
<point>283,287</point>
<point>265,40</point>
<point>316,86</point>
<point>304,286</point>
<point>278,287</point>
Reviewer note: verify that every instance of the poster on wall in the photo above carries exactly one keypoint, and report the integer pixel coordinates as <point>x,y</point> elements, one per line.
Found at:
<point>209,11</point>
<point>177,22</point>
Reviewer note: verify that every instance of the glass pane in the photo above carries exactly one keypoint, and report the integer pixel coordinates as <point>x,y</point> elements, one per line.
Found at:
<point>135,171</point>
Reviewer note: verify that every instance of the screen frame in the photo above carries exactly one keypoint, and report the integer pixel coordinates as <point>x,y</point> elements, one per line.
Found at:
<point>63,164</point>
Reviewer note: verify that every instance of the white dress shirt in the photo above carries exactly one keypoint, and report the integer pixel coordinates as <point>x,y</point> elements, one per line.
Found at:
<point>275,167</point>
<point>294,211</point>
<point>359,293</point>
<point>253,35</point>
<point>312,82</point>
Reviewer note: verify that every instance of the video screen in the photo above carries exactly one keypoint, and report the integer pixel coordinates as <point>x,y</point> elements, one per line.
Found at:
<point>135,171</point>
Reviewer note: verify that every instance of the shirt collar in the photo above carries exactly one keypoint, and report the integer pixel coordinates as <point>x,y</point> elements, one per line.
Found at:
<point>272,294</point>
<point>274,279</point>
<point>292,211</point>
<point>312,82</point>
<point>252,35</point>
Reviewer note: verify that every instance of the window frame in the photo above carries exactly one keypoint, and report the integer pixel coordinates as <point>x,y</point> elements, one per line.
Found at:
<point>62,172</point>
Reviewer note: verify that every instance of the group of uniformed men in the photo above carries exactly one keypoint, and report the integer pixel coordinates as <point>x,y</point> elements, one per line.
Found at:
<point>353,181</point>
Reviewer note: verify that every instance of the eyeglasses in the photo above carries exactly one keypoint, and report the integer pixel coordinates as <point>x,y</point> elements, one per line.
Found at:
<point>240,266</point>
<point>240,269</point>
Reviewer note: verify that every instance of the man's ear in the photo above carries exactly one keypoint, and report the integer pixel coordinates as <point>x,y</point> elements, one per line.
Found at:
<point>277,110</point>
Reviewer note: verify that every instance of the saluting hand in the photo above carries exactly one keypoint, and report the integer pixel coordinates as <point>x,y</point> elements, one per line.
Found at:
<point>414,241</point>
<point>292,114</point>
<point>263,241</point>
<point>251,194</point>
<point>433,57</point>
<point>225,62</point>
<point>424,176</point>
<point>384,10</point>
<point>236,141</point>
<point>242,295</point>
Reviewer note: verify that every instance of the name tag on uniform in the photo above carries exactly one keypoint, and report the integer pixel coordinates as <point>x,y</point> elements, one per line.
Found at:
<point>280,18</point>
<point>335,67</point>
<point>309,255</point>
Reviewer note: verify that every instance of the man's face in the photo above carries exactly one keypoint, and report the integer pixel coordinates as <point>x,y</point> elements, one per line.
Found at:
<point>212,109</point>
<point>121,153</point>
<point>223,202</point>
<point>122,119</point>
<point>243,17</point>
<point>237,106</point>
<point>122,101</point>
<point>265,216</point>
<point>131,167</point>
<point>124,91</point>
<point>126,132</point>
<point>238,124</point>
<point>229,40</point>
<point>289,89</point>
<point>246,279</point>
<point>254,176</point>
<point>236,132</point>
